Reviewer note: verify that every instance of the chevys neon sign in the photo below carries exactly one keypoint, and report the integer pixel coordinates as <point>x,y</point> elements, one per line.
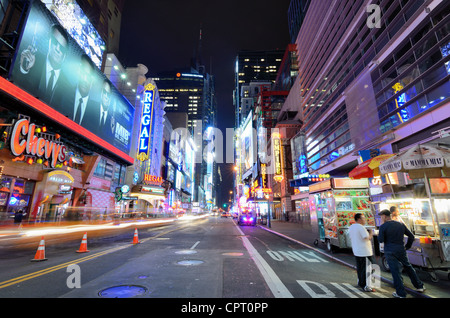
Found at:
<point>146,123</point>
<point>24,141</point>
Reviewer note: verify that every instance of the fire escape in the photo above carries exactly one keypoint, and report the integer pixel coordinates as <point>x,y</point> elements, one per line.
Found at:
<point>12,18</point>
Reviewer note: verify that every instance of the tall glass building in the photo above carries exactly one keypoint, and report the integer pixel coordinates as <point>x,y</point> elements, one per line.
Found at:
<point>188,91</point>
<point>358,85</point>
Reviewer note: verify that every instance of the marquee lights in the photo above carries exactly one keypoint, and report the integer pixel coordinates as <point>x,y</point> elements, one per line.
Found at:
<point>146,123</point>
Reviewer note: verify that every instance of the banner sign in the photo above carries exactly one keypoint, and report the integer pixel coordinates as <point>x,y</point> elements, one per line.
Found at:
<point>145,134</point>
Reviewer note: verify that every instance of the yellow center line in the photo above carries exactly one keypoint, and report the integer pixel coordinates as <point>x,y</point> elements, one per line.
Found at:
<point>45,271</point>
<point>55,268</point>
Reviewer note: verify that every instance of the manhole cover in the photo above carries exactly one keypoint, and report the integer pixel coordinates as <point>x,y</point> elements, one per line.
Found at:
<point>232,254</point>
<point>186,252</point>
<point>190,262</point>
<point>124,291</point>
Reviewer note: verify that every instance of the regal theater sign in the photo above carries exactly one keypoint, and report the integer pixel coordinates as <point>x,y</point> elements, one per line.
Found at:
<point>147,119</point>
<point>152,180</point>
<point>26,139</point>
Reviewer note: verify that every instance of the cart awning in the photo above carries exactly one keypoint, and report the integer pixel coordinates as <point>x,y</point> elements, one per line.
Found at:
<point>369,168</point>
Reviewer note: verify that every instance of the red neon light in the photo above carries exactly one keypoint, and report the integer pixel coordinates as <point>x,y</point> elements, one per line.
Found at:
<point>49,112</point>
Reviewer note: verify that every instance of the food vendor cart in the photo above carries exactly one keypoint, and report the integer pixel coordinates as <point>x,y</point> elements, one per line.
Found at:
<point>429,221</point>
<point>334,203</point>
<point>428,217</point>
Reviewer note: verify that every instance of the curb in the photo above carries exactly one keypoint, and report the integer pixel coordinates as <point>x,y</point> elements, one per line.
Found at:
<point>411,291</point>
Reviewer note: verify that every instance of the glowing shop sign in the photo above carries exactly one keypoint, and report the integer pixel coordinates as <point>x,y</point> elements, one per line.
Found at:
<point>146,123</point>
<point>276,141</point>
<point>24,141</point>
<point>149,179</point>
<point>400,101</point>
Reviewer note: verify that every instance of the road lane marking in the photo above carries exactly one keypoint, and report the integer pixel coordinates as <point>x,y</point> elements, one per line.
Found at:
<point>195,245</point>
<point>277,288</point>
<point>344,290</point>
<point>292,256</point>
<point>56,267</point>
<point>305,285</point>
<point>356,290</point>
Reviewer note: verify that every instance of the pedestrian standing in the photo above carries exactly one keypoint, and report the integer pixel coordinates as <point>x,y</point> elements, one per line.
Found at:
<point>395,214</point>
<point>18,215</point>
<point>361,240</point>
<point>392,235</point>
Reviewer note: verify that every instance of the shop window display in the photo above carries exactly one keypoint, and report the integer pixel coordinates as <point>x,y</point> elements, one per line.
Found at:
<point>15,194</point>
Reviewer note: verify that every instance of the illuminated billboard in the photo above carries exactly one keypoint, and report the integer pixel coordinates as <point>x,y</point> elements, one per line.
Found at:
<point>77,24</point>
<point>51,66</point>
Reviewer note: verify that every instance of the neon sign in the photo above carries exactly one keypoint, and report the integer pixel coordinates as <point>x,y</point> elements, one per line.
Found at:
<point>24,141</point>
<point>146,123</point>
<point>400,101</point>
<point>278,175</point>
<point>152,179</point>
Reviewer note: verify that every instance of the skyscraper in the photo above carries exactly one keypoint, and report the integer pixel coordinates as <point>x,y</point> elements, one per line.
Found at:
<point>252,66</point>
<point>192,90</point>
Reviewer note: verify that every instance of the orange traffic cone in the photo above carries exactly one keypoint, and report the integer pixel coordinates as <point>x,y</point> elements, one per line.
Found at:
<point>40,254</point>
<point>83,246</point>
<point>135,238</point>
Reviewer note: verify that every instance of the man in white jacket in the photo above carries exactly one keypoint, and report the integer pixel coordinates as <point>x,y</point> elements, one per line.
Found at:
<point>362,249</point>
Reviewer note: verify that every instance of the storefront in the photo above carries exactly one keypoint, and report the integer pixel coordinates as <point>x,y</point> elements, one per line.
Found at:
<point>50,146</point>
<point>15,194</point>
<point>151,197</point>
<point>53,196</point>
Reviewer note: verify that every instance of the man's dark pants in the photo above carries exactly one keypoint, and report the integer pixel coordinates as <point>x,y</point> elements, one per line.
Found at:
<point>394,259</point>
<point>361,269</point>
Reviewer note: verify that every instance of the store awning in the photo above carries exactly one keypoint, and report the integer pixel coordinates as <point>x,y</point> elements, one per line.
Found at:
<point>429,159</point>
<point>148,193</point>
<point>147,197</point>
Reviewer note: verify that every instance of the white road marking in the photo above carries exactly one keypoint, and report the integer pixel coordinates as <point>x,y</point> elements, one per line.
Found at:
<point>195,245</point>
<point>276,286</point>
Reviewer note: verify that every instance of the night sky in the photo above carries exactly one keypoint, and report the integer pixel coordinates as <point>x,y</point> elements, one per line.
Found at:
<point>163,35</point>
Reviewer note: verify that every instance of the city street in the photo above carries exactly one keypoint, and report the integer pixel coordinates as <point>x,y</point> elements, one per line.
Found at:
<point>210,257</point>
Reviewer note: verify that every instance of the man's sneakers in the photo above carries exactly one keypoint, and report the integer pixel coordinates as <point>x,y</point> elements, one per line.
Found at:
<point>421,290</point>
<point>368,289</point>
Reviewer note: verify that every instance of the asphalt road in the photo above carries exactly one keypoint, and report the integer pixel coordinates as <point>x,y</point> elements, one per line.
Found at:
<point>192,259</point>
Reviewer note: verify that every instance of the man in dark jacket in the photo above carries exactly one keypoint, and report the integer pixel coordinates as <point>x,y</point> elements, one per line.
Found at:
<point>392,235</point>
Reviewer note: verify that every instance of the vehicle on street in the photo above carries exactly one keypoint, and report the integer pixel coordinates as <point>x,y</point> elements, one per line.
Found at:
<point>247,217</point>
<point>225,214</point>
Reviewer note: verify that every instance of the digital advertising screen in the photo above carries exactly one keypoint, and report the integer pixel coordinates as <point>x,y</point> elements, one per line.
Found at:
<point>51,66</point>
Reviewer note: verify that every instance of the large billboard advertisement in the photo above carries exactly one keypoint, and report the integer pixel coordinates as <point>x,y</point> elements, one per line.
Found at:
<point>51,66</point>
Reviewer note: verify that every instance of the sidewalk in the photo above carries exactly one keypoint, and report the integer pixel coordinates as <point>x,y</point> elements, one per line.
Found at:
<point>303,234</point>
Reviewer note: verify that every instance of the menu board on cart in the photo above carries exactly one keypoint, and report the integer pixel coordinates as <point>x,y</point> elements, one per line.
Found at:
<point>350,202</point>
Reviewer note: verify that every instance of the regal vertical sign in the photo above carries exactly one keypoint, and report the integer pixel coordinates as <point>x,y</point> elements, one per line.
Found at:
<point>145,133</point>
